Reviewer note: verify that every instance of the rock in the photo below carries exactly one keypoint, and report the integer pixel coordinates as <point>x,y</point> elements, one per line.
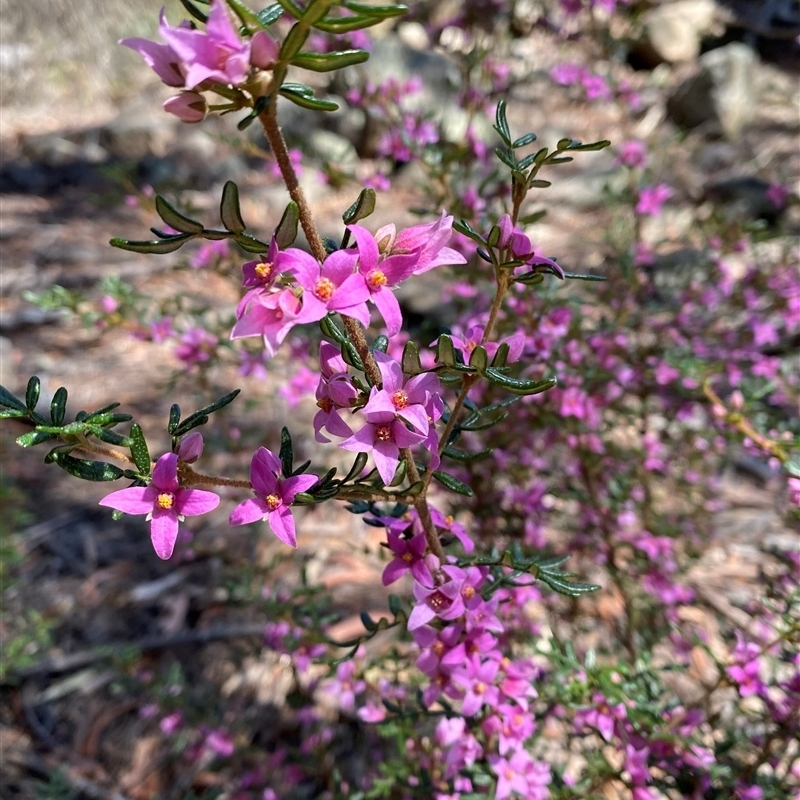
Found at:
<point>673,31</point>
<point>329,146</point>
<point>141,131</point>
<point>721,95</point>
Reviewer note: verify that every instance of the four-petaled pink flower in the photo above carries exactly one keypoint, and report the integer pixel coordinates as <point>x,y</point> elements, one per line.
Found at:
<point>164,502</point>
<point>651,198</point>
<point>273,496</point>
<point>268,314</point>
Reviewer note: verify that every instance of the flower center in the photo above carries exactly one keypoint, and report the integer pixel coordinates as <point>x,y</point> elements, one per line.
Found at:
<point>326,404</point>
<point>166,500</point>
<point>407,557</point>
<point>273,501</point>
<point>324,289</point>
<point>383,433</point>
<point>438,601</point>
<point>449,520</point>
<point>376,279</point>
<point>400,399</point>
<point>263,271</point>
<point>480,687</point>
<point>438,648</point>
<point>468,592</point>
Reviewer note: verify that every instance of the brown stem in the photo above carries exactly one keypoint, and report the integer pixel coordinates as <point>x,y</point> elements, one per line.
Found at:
<point>188,477</point>
<point>356,333</point>
<point>269,122</point>
<point>99,450</point>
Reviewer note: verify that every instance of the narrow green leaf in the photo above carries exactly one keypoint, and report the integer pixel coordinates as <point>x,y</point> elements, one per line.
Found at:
<point>581,277</point>
<point>229,210</point>
<point>12,413</point>
<point>286,453</point>
<point>527,139</point>
<point>286,232</point>
<point>368,622</point>
<point>270,15</point>
<point>501,355</point>
<point>363,207</point>
<point>330,329</point>
<point>464,455</point>
<point>32,392</point>
<point>174,418</point>
<point>530,278</point>
<point>445,352</point>
<point>462,226</point>
<point>250,244</point>
<point>327,62</point>
<point>501,123</point>
<point>411,362</point>
<point>384,12</point>
<point>291,8</point>
<point>539,184</point>
<point>175,219</point>
<point>139,450</point>
<point>357,468</point>
<point>519,386</point>
<point>195,11</point>
<point>381,343</point>
<point>494,236</point>
<point>102,410</point>
<point>478,359</point>
<point>453,483</point>
<point>109,437</point>
<point>507,159</point>
<point>593,146</point>
<point>559,159</point>
<point>248,17</point>
<point>32,438</point>
<point>201,417</point>
<point>305,101</point>
<point>260,105</point>
<point>535,216</point>
<point>347,24</point>
<point>395,604</point>
<point>11,401</point>
<point>155,246</point>
<point>563,144</point>
<point>107,418</point>
<point>294,40</point>
<point>87,470</point>
<point>400,474</point>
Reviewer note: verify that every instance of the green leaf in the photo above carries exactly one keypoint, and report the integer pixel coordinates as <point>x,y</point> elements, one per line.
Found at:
<point>527,139</point>
<point>201,417</point>
<point>12,413</point>
<point>501,123</point>
<point>347,24</point>
<point>478,359</point>
<point>494,236</point>
<point>32,392</point>
<point>565,587</point>
<point>248,17</point>
<point>593,146</point>
<point>453,483</point>
<point>445,352</point>
<point>250,244</point>
<point>530,278</point>
<point>294,40</point>
<point>462,226</point>
<point>384,12</point>
<point>535,216</point>
<point>559,159</point>
<point>519,386</point>
<point>464,455</point>
<point>330,329</point>
<point>195,11</point>
<point>395,604</point>
<point>11,401</point>
<point>156,246</point>
<point>327,62</point>
<point>175,219</point>
<point>507,159</point>
<point>363,207</point>
<point>286,232</point>
<point>501,356</point>
<point>139,451</point>
<point>174,418</point>
<point>109,436</point>
<point>305,100</point>
<point>286,453</point>
<point>260,105</point>
<point>32,438</point>
<point>411,362</point>
<point>87,470</point>
<point>270,15</point>
<point>381,344</point>
<point>292,8</point>
<point>581,277</point>
<point>539,184</point>
<point>229,210</point>
<point>399,474</point>
<point>107,418</point>
<point>368,622</point>
<point>357,468</point>
<point>58,406</point>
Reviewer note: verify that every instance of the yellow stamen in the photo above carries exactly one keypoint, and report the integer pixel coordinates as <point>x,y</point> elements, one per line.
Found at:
<point>400,399</point>
<point>166,500</point>
<point>273,501</point>
<point>263,271</point>
<point>324,289</point>
<point>383,433</point>
<point>376,279</point>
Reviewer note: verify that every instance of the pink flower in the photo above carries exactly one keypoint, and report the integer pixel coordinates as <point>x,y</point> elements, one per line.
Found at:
<point>632,153</point>
<point>161,58</point>
<point>333,285</point>
<point>196,347</point>
<point>381,277</point>
<point>209,253</point>
<point>164,502</point>
<point>271,315</point>
<point>218,54</point>
<point>651,198</point>
<point>187,106</point>
<point>335,391</point>
<point>273,496</point>
<point>777,194</point>
<point>408,555</point>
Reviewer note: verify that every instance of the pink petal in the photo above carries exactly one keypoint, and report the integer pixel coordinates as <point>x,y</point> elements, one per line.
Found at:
<point>164,531</point>
<point>282,524</point>
<point>367,248</point>
<point>251,510</point>
<point>192,502</point>
<point>299,483</point>
<point>386,457</point>
<point>165,473</point>
<point>389,308</point>
<point>136,500</point>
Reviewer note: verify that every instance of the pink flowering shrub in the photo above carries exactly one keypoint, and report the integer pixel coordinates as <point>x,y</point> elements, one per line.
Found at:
<point>566,417</point>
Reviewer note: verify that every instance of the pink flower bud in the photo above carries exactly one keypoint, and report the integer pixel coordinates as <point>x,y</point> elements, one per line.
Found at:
<point>187,106</point>
<point>263,51</point>
<point>190,447</point>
